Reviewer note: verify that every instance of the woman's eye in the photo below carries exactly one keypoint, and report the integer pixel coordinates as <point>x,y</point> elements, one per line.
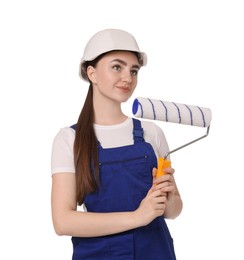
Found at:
<point>116,67</point>
<point>134,72</point>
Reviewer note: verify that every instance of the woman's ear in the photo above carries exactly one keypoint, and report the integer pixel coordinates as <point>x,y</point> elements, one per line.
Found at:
<point>91,74</point>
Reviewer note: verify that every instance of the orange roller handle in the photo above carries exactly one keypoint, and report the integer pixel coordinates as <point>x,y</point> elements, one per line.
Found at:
<point>162,164</point>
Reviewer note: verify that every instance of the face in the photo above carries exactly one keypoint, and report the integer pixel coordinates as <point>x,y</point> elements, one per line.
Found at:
<point>115,76</point>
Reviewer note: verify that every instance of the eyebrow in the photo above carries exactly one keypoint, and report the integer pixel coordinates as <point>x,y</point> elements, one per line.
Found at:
<point>124,63</point>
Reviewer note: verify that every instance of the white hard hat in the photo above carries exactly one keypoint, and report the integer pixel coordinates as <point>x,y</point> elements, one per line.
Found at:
<point>109,40</point>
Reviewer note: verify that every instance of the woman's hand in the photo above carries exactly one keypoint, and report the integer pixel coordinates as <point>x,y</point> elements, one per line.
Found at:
<point>152,206</point>
<point>165,183</point>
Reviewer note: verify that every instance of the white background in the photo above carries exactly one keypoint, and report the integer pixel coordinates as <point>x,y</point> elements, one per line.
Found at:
<point>195,56</point>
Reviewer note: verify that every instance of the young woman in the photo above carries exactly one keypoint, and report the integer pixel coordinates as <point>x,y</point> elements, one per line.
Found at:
<point>107,162</point>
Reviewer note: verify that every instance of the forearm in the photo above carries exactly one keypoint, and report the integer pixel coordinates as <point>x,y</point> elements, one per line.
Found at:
<point>68,221</point>
<point>173,207</point>
<point>88,224</point>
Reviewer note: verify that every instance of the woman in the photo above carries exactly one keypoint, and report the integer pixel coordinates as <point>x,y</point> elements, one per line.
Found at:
<point>107,162</point>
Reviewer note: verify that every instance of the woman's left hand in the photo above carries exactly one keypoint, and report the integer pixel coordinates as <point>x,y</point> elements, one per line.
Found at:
<point>165,183</point>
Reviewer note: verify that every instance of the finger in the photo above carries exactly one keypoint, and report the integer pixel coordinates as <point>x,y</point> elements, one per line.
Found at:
<point>160,199</point>
<point>168,189</point>
<point>160,207</point>
<point>154,172</point>
<point>169,170</point>
<point>164,178</point>
<point>151,191</point>
<point>155,193</point>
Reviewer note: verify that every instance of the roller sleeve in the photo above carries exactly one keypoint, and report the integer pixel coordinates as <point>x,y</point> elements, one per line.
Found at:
<point>171,112</point>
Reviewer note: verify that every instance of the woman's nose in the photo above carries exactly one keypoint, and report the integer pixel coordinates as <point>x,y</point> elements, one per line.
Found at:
<point>127,77</point>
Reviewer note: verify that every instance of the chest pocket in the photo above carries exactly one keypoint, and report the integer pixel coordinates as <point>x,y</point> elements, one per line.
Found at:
<point>123,184</point>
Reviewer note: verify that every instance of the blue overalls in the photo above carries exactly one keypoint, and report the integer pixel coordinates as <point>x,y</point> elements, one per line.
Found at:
<point>125,178</point>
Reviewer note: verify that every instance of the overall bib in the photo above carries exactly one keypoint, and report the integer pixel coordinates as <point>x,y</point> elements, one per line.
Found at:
<point>125,178</point>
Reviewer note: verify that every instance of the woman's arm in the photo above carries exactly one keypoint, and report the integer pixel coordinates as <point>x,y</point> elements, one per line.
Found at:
<point>68,221</point>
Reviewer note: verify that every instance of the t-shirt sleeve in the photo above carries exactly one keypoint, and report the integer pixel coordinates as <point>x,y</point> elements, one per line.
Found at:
<point>62,158</point>
<point>156,137</point>
<point>163,146</point>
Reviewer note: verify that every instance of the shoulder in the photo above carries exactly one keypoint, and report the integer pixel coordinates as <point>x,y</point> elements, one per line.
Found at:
<point>62,151</point>
<point>64,135</point>
<point>151,127</point>
<point>66,131</point>
<point>154,135</point>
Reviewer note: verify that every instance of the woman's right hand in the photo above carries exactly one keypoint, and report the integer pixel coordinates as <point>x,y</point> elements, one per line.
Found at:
<point>152,206</point>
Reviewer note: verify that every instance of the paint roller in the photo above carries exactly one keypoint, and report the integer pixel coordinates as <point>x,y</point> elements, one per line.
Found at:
<point>175,113</point>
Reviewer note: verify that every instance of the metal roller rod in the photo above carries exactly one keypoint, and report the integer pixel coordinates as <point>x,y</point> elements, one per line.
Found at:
<point>177,149</point>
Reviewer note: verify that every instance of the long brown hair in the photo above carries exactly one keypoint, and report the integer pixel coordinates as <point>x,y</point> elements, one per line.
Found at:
<point>86,144</point>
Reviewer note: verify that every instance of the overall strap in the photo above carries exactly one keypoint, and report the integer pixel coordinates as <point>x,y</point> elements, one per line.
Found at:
<point>73,126</point>
<point>137,131</point>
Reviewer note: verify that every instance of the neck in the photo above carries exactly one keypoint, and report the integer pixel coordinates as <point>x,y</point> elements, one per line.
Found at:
<point>108,114</point>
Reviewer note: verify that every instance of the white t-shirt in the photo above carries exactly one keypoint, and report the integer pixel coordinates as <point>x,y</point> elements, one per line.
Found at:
<point>62,159</point>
